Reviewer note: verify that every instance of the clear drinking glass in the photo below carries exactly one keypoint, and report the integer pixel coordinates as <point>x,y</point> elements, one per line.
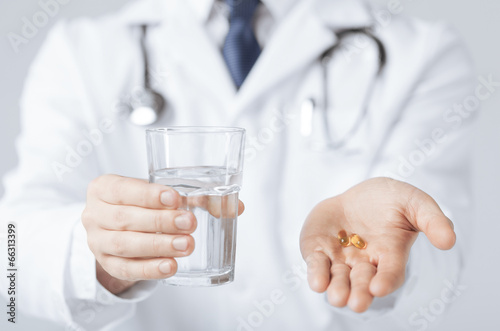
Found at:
<point>205,165</point>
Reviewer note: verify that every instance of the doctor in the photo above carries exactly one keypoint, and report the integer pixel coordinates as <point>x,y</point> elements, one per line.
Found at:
<point>324,135</point>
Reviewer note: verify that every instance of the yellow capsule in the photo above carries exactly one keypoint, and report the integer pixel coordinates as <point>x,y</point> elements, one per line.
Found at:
<point>343,238</point>
<point>357,241</point>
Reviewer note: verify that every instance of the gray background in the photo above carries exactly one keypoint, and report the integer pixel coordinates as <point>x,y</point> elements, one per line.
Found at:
<point>478,23</point>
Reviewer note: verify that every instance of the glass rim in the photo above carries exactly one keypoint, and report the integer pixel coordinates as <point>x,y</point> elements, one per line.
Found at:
<point>195,129</point>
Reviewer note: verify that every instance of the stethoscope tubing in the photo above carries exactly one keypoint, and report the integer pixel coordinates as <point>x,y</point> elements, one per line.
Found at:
<point>158,106</point>
<point>324,62</point>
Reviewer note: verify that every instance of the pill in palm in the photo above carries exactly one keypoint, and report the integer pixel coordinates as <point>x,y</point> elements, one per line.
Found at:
<point>357,241</point>
<point>343,238</point>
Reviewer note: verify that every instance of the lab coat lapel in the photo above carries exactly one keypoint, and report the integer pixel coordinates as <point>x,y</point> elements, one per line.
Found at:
<point>299,40</point>
<point>296,42</point>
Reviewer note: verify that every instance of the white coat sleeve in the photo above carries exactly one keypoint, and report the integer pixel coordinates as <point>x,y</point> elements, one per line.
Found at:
<point>429,147</point>
<point>45,197</point>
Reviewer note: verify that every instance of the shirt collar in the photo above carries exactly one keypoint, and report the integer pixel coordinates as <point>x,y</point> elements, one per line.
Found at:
<point>335,13</point>
<point>203,8</point>
<point>340,14</point>
<point>279,8</point>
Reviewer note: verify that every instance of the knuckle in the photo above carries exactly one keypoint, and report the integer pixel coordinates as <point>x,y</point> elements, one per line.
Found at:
<point>94,185</point>
<point>158,219</point>
<point>148,194</point>
<point>124,271</point>
<point>117,188</point>
<point>147,269</point>
<point>96,250</point>
<point>413,204</point>
<point>144,271</point>
<point>117,247</point>
<point>157,244</point>
<point>86,217</point>
<point>119,219</point>
<point>151,194</point>
<point>92,244</point>
<point>104,263</point>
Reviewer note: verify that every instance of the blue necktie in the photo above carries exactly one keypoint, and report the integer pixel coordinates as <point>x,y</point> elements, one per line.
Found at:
<point>241,49</point>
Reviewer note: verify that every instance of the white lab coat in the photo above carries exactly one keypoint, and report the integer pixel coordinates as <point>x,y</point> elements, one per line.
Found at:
<point>69,108</point>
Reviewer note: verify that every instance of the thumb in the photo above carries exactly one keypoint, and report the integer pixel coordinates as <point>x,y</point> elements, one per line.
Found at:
<point>424,214</point>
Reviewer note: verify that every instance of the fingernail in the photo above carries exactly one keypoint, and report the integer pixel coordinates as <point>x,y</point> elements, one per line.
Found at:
<point>180,243</point>
<point>167,198</point>
<point>165,267</point>
<point>183,222</point>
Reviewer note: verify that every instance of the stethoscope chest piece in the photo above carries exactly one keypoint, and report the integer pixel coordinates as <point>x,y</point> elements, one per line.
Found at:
<point>146,106</point>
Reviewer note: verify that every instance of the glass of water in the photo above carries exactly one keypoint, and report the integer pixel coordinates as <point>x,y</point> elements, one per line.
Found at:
<point>205,165</point>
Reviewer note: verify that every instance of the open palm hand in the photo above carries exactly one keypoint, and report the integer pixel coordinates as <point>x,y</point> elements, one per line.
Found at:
<point>387,214</point>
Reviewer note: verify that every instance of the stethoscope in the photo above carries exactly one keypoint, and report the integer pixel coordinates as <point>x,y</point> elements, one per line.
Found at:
<point>145,105</point>
<point>310,106</point>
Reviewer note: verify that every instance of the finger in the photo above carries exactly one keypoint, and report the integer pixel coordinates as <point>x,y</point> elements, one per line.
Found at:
<point>137,244</point>
<point>120,190</point>
<point>424,213</point>
<point>360,297</point>
<point>131,218</point>
<point>313,236</point>
<point>339,288</point>
<point>241,207</point>
<point>390,274</point>
<point>226,206</point>
<point>318,271</point>
<point>138,269</point>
